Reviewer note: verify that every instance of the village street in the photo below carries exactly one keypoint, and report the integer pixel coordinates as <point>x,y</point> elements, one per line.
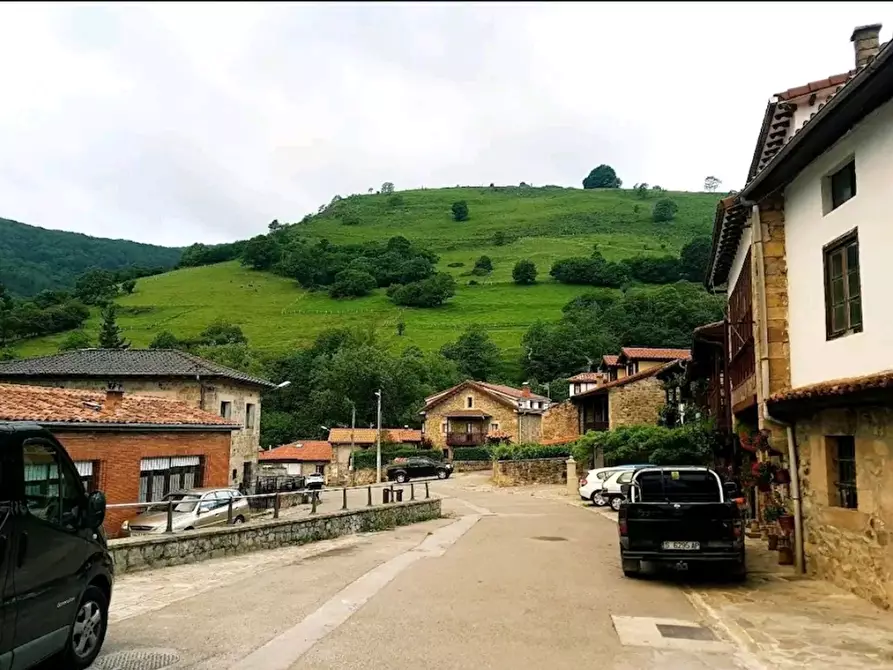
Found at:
<point>516,578</point>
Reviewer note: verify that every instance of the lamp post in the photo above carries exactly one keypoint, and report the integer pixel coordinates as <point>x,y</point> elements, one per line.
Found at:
<point>378,441</point>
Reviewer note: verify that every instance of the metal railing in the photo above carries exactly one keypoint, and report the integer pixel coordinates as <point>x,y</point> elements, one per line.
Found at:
<point>390,493</point>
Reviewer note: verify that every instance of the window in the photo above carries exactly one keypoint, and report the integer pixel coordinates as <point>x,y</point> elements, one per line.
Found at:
<point>443,427</point>
<point>320,468</point>
<point>226,409</point>
<point>840,186</point>
<point>843,288</point>
<point>625,478</point>
<point>576,389</point>
<point>494,425</point>
<point>249,415</point>
<point>469,402</point>
<point>160,476</point>
<point>679,486</point>
<point>841,451</point>
<point>742,361</point>
<point>52,491</point>
<point>87,472</point>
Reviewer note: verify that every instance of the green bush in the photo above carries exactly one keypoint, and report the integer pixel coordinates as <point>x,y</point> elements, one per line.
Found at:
<point>365,458</point>
<point>529,452</point>
<point>692,444</point>
<point>472,454</point>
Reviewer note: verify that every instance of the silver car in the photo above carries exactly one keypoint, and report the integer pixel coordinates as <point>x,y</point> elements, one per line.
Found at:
<point>193,508</point>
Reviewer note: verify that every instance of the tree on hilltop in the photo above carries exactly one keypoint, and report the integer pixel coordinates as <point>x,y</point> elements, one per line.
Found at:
<point>602,177</point>
<point>711,183</point>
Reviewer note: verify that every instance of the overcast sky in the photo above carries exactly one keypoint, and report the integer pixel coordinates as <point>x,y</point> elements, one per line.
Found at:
<point>175,123</point>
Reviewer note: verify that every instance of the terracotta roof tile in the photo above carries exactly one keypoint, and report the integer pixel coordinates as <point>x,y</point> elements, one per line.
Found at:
<point>815,86</point>
<point>510,391</point>
<point>648,354</point>
<point>837,387</point>
<point>505,394</point>
<point>367,435</point>
<point>302,450</point>
<point>610,359</point>
<point>587,377</point>
<point>623,381</point>
<point>43,404</point>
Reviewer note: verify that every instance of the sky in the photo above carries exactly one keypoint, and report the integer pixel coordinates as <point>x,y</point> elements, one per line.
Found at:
<point>174,123</point>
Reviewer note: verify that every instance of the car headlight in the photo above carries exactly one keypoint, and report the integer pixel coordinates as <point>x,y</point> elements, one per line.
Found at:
<point>125,525</point>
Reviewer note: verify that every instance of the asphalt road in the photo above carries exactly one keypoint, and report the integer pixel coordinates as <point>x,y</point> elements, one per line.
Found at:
<point>509,580</point>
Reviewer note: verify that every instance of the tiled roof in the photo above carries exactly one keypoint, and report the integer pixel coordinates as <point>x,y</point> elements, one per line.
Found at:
<point>302,450</point>
<point>367,435</point>
<point>586,377</point>
<point>506,394</point>
<point>815,86</point>
<point>610,359</point>
<point>108,363</point>
<point>837,387</point>
<point>511,391</point>
<point>48,405</point>
<point>648,354</point>
<point>623,381</point>
<point>469,413</point>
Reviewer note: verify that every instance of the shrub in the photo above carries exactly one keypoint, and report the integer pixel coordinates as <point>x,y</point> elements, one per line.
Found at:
<point>365,458</point>
<point>352,284</point>
<point>499,238</point>
<point>472,454</point>
<point>692,444</point>
<point>483,264</point>
<point>528,452</point>
<point>664,210</point>
<point>455,265</point>
<point>524,272</point>
<point>460,211</point>
<point>429,292</point>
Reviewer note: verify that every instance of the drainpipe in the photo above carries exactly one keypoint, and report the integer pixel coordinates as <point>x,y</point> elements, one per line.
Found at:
<point>757,245</point>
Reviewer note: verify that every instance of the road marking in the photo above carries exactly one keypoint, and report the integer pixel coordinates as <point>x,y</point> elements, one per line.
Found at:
<point>283,651</point>
<point>731,629</point>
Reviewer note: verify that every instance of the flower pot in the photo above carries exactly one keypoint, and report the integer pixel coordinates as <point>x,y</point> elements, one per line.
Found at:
<point>786,523</point>
<point>785,555</point>
<point>764,487</point>
<point>782,476</point>
<point>773,541</point>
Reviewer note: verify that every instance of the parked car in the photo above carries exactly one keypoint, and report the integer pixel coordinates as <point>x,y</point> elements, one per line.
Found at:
<point>591,483</point>
<point>315,480</point>
<point>56,573</point>
<point>680,516</point>
<point>193,508</point>
<point>404,469</point>
<point>612,487</point>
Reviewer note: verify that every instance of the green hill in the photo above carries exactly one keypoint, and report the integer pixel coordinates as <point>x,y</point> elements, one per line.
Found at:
<point>33,259</point>
<point>540,224</point>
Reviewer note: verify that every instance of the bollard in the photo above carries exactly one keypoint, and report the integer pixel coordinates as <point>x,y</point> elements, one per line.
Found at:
<point>229,511</point>
<point>427,494</point>
<point>313,502</point>
<point>385,496</point>
<point>170,517</point>
<point>276,505</point>
<point>411,491</point>
<point>344,499</point>
<point>399,494</point>
<point>369,504</point>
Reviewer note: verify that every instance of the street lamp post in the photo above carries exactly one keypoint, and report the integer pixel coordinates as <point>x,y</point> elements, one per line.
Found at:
<point>378,441</point>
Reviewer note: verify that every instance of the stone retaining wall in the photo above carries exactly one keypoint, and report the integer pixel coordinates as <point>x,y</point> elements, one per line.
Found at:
<point>536,471</point>
<point>144,553</point>
<point>471,466</point>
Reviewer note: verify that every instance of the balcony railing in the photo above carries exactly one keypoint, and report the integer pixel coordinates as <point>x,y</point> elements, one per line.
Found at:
<point>597,426</point>
<point>466,439</point>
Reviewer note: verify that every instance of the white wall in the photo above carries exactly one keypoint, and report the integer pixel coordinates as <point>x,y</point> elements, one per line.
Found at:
<point>813,359</point>
<point>738,261</point>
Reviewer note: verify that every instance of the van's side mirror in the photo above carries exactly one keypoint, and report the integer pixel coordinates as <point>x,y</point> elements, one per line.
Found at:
<point>95,510</point>
<point>731,488</point>
<point>624,489</point>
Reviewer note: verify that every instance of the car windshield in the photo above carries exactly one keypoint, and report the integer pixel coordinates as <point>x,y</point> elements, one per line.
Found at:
<point>678,486</point>
<point>185,502</point>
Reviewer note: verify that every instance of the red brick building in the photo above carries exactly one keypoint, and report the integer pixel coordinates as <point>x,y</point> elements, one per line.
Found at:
<point>133,448</point>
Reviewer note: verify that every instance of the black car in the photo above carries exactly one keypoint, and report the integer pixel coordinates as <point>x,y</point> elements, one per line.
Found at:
<point>680,516</point>
<point>412,468</point>
<point>56,573</point>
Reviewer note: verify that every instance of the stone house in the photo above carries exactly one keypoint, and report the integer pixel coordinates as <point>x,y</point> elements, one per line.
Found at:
<point>630,361</point>
<point>464,415</point>
<point>631,400</point>
<point>133,448</point>
<point>164,373</point>
<point>802,254</point>
<point>303,457</point>
<point>344,441</point>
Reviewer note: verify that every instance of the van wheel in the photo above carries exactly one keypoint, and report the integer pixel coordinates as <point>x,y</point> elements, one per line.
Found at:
<point>239,519</point>
<point>87,632</point>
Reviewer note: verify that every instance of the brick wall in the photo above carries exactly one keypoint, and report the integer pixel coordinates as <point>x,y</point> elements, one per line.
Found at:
<point>636,403</point>
<point>118,455</point>
<point>500,412</point>
<point>560,421</point>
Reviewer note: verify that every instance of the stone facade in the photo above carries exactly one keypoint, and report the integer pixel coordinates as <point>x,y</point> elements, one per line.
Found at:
<point>849,547</point>
<point>537,471</point>
<point>561,421</point>
<point>144,553</point>
<point>206,394</point>
<point>472,466</point>
<point>636,403</point>
<point>437,425</point>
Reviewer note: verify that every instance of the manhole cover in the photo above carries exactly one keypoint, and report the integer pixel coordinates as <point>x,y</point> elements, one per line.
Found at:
<point>550,538</point>
<point>686,632</point>
<point>137,659</point>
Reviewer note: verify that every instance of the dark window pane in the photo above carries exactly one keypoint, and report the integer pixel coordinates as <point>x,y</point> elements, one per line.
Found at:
<point>853,284</point>
<point>837,291</point>
<point>843,185</point>
<point>836,263</point>
<point>838,318</point>
<point>852,257</point>
<point>684,487</point>
<point>855,312</point>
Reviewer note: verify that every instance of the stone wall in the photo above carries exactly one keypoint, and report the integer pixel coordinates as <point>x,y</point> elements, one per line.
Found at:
<point>537,471</point>
<point>144,553</point>
<point>636,403</point>
<point>561,421</point>
<point>849,547</point>
<point>471,466</point>
<point>774,274</point>
<point>500,413</point>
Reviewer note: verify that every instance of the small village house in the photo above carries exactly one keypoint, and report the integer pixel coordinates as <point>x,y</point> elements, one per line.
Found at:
<point>133,448</point>
<point>178,375</point>
<point>344,441</point>
<point>303,457</point>
<point>803,254</point>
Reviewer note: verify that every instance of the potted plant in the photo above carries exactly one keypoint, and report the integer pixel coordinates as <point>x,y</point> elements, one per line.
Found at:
<point>786,522</point>
<point>782,476</point>
<point>764,474</point>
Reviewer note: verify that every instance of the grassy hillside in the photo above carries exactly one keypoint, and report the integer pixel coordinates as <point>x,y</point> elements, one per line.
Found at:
<point>33,259</point>
<point>543,224</point>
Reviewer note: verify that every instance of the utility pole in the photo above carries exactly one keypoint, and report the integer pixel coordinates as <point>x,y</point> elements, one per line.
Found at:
<point>378,441</point>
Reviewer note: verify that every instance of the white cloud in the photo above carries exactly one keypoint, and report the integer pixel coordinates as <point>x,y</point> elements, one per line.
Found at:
<point>172,123</point>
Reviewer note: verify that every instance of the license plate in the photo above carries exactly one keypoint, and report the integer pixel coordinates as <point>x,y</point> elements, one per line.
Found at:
<point>681,546</point>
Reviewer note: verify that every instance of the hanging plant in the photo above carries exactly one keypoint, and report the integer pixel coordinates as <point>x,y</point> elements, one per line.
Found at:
<point>782,476</point>
<point>774,509</point>
<point>764,474</point>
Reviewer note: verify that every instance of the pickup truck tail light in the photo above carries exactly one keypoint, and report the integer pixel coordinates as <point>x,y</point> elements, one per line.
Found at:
<point>621,527</point>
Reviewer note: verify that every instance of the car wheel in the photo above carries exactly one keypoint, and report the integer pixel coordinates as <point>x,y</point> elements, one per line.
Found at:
<point>616,501</point>
<point>87,632</point>
<point>401,478</point>
<point>597,499</point>
<point>239,519</point>
<point>631,568</point>
<point>442,474</point>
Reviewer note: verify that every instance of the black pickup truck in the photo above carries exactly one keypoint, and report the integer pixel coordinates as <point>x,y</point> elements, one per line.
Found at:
<point>680,516</point>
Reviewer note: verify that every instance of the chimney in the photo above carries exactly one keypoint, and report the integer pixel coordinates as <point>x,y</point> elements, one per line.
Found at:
<point>866,42</point>
<point>113,395</point>
<point>525,391</point>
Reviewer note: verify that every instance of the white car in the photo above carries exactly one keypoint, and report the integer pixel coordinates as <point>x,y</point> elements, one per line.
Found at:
<point>611,492</point>
<point>591,484</point>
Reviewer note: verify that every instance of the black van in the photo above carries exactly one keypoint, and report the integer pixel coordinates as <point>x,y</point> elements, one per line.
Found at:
<point>55,570</point>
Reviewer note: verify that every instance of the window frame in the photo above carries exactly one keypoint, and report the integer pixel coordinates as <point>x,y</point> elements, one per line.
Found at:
<point>250,415</point>
<point>64,468</point>
<point>226,409</point>
<point>841,245</point>
<point>469,402</point>
<point>847,169</point>
<point>846,490</point>
<point>179,471</point>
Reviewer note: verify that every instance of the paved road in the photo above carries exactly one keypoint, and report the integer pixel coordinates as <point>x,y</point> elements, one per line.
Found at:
<point>509,580</point>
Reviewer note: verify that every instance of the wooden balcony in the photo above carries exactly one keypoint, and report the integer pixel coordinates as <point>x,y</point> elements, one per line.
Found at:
<point>466,439</point>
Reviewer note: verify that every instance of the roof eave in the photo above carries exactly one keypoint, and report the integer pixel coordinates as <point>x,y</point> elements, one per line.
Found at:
<point>99,426</point>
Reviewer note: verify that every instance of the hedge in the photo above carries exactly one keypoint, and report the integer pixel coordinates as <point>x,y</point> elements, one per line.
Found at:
<point>365,458</point>
<point>526,452</point>
<point>692,444</point>
<point>472,454</point>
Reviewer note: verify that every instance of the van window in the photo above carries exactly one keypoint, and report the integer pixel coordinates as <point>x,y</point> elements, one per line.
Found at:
<point>678,486</point>
<point>52,492</point>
